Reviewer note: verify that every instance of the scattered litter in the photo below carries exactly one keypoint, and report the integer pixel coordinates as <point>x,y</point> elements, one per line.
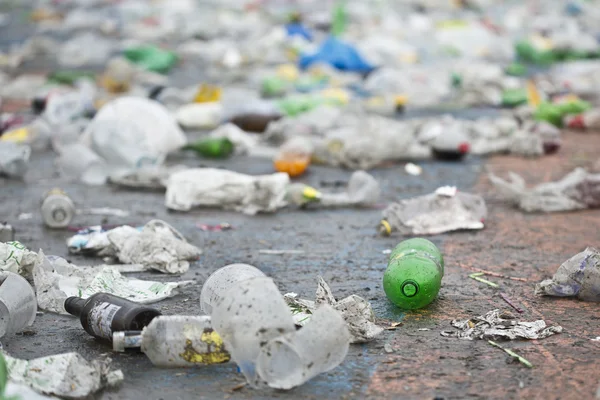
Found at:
<point>512,354</point>
<point>476,276</point>
<point>224,226</point>
<point>280,252</point>
<point>25,216</point>
<point>423,329</point>
<point>576,191</point>
<point>387,251</point>
<point>597,339</point>
<point>388,348</point>
<point>107,211</point>
<point>102,314</point>
<point>356,311</point>
<point>17,302</point>
<point>14,257</point>
<point>435,213</point>
<point>56,280</point>
<point>226,189</point>
<point>579,277</point>
<point>413,169</point>
<point>176,341</point>
<point>510,303</point>
<point>66,375</point>
<point>496,324</point>
<point>496,274</point>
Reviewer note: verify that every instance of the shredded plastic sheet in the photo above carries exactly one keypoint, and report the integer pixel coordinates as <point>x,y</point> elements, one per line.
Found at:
<point>157,246</point>
<point>227,189</point>
<point>576,191</point>
<point>66,375</point>
<point>15,257</point>
<point>356,311</point>
<point>362,190</point>
<point>14,159</point>
<point>55,280</point>
<point>579,277</point>
<point>442,211</point>
<point>147,177</point>
<point>498,324</point>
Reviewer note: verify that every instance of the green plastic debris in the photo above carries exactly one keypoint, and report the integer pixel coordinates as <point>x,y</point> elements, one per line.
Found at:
<point>456,80</point>
<point>274,86</point>
<point>151,58</point>
<point>554,113</point>
<point>514,97</point>
<point>295,105</point>
<point>340,19</point>
<point>516,69</point>
<point>70,77</point>
<point>528,53</point>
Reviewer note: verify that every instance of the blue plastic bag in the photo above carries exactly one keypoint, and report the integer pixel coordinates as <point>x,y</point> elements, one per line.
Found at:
<point>296,29</point>
<point>338,54</point>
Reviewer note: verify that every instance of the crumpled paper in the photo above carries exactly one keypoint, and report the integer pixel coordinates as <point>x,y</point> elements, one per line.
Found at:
<point>226,189</point>
<point>14,159</point>
<point>362,190</point>
<point>579,277</point>
<point>576,191</point>
<point>15,257</point>
<point>356,311</point>
<point>67,375</point>
<point>498,324</point>
<point>444,210</point>
<point>157,246</point>
<point>146,177</point>
<point>55,280</point>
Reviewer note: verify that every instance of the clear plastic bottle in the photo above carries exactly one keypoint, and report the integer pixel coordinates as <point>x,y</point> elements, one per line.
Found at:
<point>18,304</point>
<point>222,279</point>
<point>176,341</point>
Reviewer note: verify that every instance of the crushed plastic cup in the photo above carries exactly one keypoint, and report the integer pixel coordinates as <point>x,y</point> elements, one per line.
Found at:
<point>247,316</point>
<point>222,279</point>
<point>18,304</point>
<point>293,359</point>
<point>80,162</point>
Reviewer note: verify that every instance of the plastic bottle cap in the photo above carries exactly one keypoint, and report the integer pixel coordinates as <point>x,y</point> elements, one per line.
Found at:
<point>59,215</point>
<point>410,288</point>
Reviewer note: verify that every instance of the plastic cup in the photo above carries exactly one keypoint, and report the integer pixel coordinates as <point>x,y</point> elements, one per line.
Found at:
<point>222,279</point>
<point>18,304</point>
<point>247,316</point>
<point>292,359</point>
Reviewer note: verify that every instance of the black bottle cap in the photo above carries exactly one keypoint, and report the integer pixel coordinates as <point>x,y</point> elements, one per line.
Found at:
<point>38,105</point>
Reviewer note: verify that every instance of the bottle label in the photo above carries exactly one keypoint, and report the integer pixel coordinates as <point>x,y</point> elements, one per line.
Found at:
<point>100,319</point>
<point>417,253</point>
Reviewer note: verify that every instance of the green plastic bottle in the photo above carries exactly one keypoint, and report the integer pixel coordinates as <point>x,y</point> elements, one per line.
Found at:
<point>151,58</point>
<point>212,147</point>
<point>414,274</point>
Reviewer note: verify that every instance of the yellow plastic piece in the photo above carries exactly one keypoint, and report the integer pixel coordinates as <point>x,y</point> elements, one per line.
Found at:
<point>114,86</point>
<point>339,95</point>
<point>400,100</point>
<point>289,72</point>
<point>533,95</point>
<point>386,227</point>
<point>311,193</point>
<point>208,94</point>
<point>541,43</point>
<point>20,135</point>
<point>216,353</point>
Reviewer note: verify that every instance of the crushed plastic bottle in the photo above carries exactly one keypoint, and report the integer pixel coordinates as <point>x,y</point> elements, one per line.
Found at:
<point>294,358</point>
<point>222,279</point>
<point>103,313</point>
<point>18,304</point>
<point>247,316</point>
<point>294,157</point>
<point>176,341</point>
<point>212,147</point>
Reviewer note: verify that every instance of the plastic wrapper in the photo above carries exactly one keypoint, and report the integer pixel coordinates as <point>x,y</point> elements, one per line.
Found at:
<point>579,277</point>
<point>576,191</point>
<point>68,375</point>
<point>319,346</point>
<point>442,211</point>
<point>500,325</point>
<point>14,159</point>
<point>14,257</point>
<point>355,310</point>
<point>92,241</point>
<point>230,190</point>
<point>148,177</point>
<point>247,316</point>
<point>131,132</point>
<point>158,246</point>
<point>55,280</point>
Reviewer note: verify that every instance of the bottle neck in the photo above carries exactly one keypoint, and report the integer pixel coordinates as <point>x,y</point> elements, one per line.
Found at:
<point>127,340</point>
<point>74,305</point>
